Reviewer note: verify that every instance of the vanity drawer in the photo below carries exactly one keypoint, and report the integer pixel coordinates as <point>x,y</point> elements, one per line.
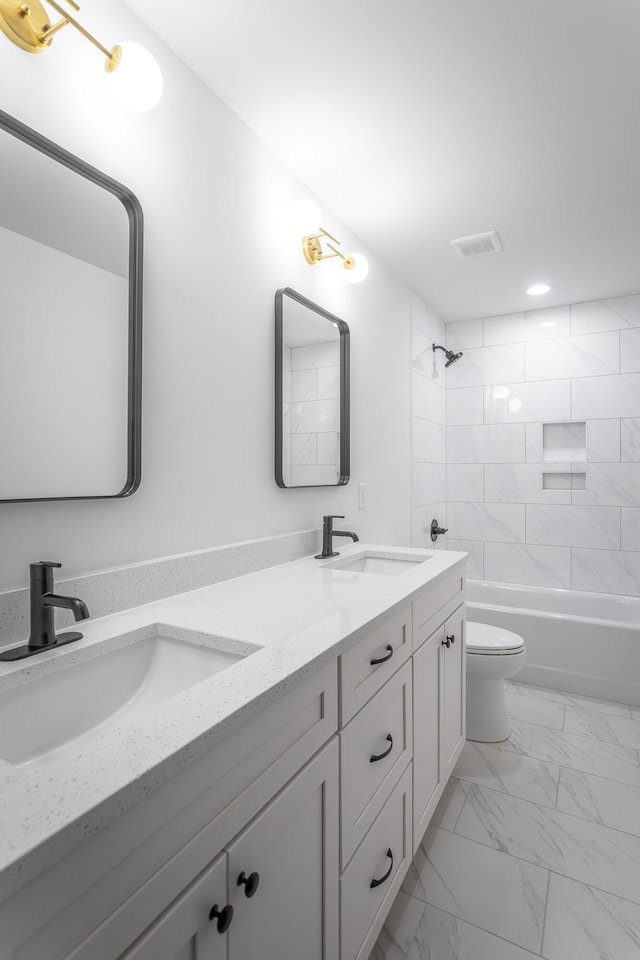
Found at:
<point>433,606</point>
<point>368,665</point>
<point>383,858</point>
<point>382,729</point>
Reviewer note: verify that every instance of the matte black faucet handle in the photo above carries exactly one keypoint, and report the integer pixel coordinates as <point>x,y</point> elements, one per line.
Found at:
<point>334,516</point>
<point>41,569</point>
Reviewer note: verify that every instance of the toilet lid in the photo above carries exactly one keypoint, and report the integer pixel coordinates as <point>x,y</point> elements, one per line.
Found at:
<point>486,638</point>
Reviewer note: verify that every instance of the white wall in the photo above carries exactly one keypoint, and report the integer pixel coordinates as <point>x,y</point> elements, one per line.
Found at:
<point>218,245</point>
<point>566,364</point>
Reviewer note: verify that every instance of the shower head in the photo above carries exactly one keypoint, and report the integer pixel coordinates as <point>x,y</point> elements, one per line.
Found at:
<point>449,354</point>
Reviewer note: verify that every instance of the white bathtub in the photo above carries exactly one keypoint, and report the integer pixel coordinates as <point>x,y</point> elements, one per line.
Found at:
<point>586,643</point>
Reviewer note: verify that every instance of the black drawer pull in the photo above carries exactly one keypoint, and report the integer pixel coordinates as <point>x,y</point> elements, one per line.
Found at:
<point>446,643</point>
<point>225,916</point>
<point>374,662</point>
<point>376,883</point>
<point>250,883</point>
<point>381,756</point>
<point>452,638</point>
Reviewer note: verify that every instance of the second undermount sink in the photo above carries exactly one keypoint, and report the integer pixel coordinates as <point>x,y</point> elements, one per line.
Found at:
<point>88,691</point>
<point>378,561</point>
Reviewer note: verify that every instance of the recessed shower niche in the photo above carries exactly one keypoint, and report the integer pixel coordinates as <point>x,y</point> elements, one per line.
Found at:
<point>564,441</point>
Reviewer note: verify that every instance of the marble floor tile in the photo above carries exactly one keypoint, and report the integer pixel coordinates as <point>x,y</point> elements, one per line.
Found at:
<point>579,753</point>
<point>449,938</point>
<point>532,710</point>
<point>586,924</point>
<point>402,937</point>
<point>569,699</point>
<point>582,850</point>
<point>451,803</point>
<point>620,730</point>
<point>520,776</point>
<point>602,801</point>
<point>450,872</point>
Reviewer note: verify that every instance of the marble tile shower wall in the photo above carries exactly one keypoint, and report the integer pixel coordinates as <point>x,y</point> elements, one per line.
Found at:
<point>312,417</point>
<point>575,363</point>
<point>428,425</point>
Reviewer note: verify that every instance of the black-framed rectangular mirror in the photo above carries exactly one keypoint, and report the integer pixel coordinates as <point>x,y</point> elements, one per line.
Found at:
<point>70,325</point>
<point>312,394</point>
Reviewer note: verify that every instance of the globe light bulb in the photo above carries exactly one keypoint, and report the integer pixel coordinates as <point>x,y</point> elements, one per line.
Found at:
<point>135,82</point>
<point>514,404</point>
<point>306,217</point>
<point>359,270</point>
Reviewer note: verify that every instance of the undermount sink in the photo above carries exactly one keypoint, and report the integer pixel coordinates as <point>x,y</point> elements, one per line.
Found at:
<point>88,691</point>
<point>378,562</point>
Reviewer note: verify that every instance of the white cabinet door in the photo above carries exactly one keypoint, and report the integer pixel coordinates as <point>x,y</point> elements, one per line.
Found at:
<point>283,870</point>
<point>427,722</point>
<point>453,690</point>
<point>195,926</point>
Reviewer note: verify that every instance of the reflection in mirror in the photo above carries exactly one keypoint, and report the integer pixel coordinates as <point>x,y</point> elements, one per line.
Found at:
<point>70,325</point>
<point>312,394</point>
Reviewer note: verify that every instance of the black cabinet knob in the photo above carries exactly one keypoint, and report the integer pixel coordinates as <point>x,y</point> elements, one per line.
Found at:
<point>446,643</point>
<point>224,916</point>
<point>250,882</point>
<point>452,638</point>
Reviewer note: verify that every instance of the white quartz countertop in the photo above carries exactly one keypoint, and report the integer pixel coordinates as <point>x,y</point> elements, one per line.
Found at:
<point>301,614</point>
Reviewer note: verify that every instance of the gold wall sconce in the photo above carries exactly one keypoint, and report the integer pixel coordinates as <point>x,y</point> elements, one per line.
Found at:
<point>317,240</point>
<point>137,79</point>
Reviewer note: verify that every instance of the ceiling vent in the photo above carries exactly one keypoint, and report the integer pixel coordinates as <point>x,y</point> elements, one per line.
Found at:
<point>479,245</point>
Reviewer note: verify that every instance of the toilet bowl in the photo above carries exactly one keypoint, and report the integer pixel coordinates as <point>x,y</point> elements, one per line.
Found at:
<point>493,655</point>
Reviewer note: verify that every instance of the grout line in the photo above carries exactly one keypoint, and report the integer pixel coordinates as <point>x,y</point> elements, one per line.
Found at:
<point>455,826</point>
<point>583,883</point>
<point>544,915</point>
<point>546,811</point>
<point>475,926</point>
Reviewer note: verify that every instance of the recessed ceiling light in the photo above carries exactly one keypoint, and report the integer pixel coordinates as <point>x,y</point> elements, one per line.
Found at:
<point>538,289</point>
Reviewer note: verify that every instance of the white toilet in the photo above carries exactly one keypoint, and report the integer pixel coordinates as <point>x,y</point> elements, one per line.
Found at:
<point>493,655</point>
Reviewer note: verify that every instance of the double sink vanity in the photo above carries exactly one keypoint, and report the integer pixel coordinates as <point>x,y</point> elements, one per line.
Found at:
<point>241,772</point>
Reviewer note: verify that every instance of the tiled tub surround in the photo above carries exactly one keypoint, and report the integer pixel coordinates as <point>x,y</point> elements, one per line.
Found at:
<point>311,435</point>
<point>428,425</point>
<point>534,850</point>
<point>301,615</point>
<point>574,363</point>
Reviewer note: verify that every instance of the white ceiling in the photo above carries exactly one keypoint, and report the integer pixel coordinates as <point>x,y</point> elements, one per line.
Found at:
<point>419,121</point>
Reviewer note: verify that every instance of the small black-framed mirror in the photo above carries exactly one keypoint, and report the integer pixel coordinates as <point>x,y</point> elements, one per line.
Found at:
<point>70,325</point>
<point>312,394</point>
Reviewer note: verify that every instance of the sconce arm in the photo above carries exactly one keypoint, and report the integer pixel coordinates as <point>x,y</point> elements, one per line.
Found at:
<point>336,253</point>
<point>67,18</point>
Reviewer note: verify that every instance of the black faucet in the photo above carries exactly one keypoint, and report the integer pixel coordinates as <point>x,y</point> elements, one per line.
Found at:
<point>42,635</point>
<point>328,533</point>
